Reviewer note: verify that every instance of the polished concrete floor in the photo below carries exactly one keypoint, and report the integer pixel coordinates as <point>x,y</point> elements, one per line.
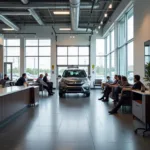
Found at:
<point>72,123</point>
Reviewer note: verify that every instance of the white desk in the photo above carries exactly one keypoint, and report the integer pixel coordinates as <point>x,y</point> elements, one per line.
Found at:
<point>141,108</point>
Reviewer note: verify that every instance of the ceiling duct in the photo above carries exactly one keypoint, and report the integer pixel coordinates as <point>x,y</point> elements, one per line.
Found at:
<point>75,11</point>
<point>9,23</point>
<point>36,17</point>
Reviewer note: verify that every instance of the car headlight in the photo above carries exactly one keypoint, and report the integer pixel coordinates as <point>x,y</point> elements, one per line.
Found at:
<point>86,84</point>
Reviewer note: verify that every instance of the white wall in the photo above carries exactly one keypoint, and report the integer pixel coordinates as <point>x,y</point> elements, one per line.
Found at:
<point>141,33</point>
<point>62,39</point>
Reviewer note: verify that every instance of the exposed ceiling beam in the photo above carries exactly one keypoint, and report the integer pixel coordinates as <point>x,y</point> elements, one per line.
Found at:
<point>9,23</point>
<point>15,13</point>
<point>43,5</point>
<point>36,17</point>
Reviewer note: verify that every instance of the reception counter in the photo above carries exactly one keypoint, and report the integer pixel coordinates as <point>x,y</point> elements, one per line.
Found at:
<point>15,98</point>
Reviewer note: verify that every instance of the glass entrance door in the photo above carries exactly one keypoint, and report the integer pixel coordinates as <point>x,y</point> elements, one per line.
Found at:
<point>8,69</point>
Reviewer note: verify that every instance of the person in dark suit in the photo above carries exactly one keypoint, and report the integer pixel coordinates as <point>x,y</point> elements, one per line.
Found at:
<point>22,80</point>
<point>137,86</point>
<point>6,78</point>
<point>50,84</point>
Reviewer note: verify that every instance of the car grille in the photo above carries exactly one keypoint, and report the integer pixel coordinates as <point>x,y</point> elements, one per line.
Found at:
<point>69,84</point>
<point>74,90</point>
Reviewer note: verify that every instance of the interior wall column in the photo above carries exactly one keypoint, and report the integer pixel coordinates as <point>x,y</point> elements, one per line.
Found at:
<point>1,54</point>
<point>22,55</point>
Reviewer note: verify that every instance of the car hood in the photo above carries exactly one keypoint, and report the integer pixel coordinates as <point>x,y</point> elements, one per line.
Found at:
<point>75,79</point>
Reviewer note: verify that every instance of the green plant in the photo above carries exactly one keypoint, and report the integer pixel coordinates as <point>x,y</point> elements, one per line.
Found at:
<point>147,73</point>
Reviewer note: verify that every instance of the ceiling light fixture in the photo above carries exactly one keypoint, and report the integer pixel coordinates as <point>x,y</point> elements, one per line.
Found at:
<point>110,6</point>
<point>99,27</point>
<point>64,29</point>
<point>106,15</point>
<point>7,29</point>
<point>25,1</point>
<point>61,12</point>
<point>101,22</point>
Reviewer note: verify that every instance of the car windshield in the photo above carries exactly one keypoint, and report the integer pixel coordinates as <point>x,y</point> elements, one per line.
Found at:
<point>74,73</point>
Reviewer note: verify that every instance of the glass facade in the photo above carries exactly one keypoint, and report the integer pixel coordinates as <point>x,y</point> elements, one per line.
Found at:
<point>73,55</point>
<point>38,57</point>
<point>12,54</point>
<point>100,59</point>
<point>120,54</point>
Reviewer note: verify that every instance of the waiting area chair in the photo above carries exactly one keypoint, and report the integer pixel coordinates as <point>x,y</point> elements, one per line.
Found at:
<point>97,82</point>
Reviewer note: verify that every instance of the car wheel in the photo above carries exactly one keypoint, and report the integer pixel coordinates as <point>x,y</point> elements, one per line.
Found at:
<point>61,94</point>
<point>87,94</point>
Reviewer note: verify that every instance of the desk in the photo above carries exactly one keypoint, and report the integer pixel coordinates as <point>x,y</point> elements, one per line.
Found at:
<point>141,109</point>
<point>15,98</point>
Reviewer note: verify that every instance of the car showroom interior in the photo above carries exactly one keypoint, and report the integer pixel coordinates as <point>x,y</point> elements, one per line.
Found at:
<point>74,74</point>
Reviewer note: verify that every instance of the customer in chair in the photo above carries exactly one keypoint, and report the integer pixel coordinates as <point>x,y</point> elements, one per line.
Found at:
<point>45,86</point>
<point>6,78</point>
<point>22,80</point>
<point>117,90</point>
<point>50,84</point>
<point>109,81</point>
<point>137,86</point>
<point>108,89</point>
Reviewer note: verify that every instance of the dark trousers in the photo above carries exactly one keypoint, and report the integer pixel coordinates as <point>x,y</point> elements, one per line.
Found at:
<point>50,86</point>
<point>107,91</point>
<point>119,104</point>
<point>117,90</point>
<point>47,89</point>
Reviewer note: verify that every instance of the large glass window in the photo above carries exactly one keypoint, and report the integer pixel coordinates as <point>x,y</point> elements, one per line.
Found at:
<point>108,65</point>
<point>112,41</point>
<point>12,54</point>
<point>120,58</point>
<point>38,57</point>
<point>130,62</point>
<point>108,44</point>
<point>122,61</point>
<point>100,47</point>
<point>130,25</point>
<point>112,68</point>
<point>100,67</point>
<point>121,32</point>
<point>73,55</point>
<point>100,59</point>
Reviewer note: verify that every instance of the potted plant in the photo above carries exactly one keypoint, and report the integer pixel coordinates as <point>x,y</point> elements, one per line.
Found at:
<point>147,74</point>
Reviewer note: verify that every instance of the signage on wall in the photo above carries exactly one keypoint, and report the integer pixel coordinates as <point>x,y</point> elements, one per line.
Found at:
<point>93,67</point>
<point>53,67</point>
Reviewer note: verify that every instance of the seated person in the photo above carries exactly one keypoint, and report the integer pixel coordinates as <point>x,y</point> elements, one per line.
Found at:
<point>40,81</point>
<point>6,78</point>
<point>137,86</point>
<point>22,80</point>
<point>109,81</point>
<point>108,89</point>
<point>118,89</point>
<point>50,84</point>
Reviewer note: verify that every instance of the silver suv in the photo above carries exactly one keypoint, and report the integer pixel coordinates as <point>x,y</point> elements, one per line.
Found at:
<point>74,81</point>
